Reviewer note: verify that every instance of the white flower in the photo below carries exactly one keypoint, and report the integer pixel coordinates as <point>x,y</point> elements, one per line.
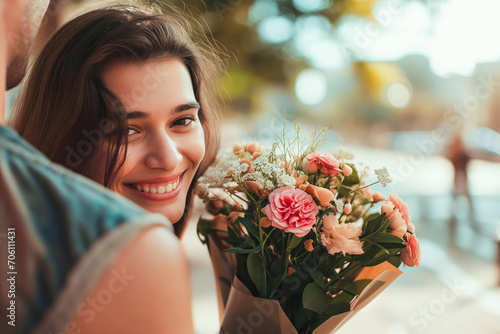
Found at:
<point>269,185</point>
<point>339,205</point>
<point>340,154</point>
<point>383,176</point>
<point>239,167</point>
<point>286,180</point>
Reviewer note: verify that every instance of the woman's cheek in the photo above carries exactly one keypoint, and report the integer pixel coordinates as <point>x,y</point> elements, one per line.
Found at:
<point>197,146</point>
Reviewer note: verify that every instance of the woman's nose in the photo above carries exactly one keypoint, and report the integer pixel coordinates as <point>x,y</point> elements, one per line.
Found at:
<point>163,153</point>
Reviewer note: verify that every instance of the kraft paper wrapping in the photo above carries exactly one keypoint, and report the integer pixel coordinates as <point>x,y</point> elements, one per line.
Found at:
<point>242,313</point>
<point>224,267</point>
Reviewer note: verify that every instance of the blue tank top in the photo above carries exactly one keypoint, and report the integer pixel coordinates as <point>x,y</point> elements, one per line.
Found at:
<point>61,231</point>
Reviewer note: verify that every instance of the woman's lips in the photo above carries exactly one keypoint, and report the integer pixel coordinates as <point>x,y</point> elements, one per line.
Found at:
<point>159,189</point>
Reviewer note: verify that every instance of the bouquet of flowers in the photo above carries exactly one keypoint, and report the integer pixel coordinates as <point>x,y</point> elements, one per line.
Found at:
<point>298,241</point>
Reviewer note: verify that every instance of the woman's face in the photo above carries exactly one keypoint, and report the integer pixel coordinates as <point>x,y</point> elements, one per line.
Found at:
<point>165,138</point>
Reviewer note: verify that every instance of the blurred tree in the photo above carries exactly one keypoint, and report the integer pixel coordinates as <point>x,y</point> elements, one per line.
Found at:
<point>253,63</point>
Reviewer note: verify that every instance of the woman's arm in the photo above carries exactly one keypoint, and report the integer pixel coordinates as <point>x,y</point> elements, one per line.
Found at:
<point>146,290</point>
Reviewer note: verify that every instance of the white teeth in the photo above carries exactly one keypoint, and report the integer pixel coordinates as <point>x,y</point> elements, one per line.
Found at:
<point>165,188</point>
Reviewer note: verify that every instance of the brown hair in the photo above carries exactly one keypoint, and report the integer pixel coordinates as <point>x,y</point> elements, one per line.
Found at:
<point>65,109</point>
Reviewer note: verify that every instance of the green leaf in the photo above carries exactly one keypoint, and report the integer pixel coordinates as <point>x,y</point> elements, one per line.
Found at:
<point>356,287</point>
<point>352,179</point>
<point>239,250</point>
<point>340,303</point>
<point>317,276</point>
<point>381,256</point>
<point>338,308</point>
<point>233,237</point>
<point>251,228</point>
<point>382,237</point>
<point>315,298</point>
<point>293,243</point>
<point>203,228</point>
<point>373,225</point>
<point>257,272</point>
<point>395,261</point>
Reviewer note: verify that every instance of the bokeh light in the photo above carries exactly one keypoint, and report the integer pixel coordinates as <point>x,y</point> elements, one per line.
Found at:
<point>310,86</point>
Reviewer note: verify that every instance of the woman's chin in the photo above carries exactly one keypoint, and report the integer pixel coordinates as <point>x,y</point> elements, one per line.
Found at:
<point>173,217</point>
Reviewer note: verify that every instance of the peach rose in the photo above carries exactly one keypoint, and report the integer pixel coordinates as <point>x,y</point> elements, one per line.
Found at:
<point>322,194</point>
<point>308,245</point>
<point>220,222</point>
<point>214,207</point>
<point>341,238</point>
<point>265,222</point>
<point>393,203</point>
<point>300,180</point>
<point>397,224</point>
<point>347,208</point>
<point>368,193</point>
<point>347,170</point>
<point>410,256</point>
<point>254,187</point>
<point>378,197</point>
<point>399,215</point>
<point>291,210</point>
<point>322,162</point>
<point>237,148</point>
<point>252,147</point>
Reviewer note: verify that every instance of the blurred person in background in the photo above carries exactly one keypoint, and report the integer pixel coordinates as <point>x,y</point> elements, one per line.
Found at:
<point>81,259</point>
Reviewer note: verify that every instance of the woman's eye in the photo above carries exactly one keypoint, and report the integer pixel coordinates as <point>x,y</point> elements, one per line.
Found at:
<point>185,121</point>
<point>131,132</point>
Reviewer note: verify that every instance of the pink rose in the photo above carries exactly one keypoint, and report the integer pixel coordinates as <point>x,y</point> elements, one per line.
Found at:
<point>291,210</point>
<point>322,162</point>
<point>410,256</point>
<point>341,237</point>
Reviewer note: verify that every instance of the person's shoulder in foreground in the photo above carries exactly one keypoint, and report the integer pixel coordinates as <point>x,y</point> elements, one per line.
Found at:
<point>82,246</point>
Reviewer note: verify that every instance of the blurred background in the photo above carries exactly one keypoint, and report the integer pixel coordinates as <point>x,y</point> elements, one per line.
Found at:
<point>412,85</point>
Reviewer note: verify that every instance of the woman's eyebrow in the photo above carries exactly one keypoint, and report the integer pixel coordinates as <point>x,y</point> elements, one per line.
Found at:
<point>137,115</point>
<point>179,108</point>
<point>187,106</point>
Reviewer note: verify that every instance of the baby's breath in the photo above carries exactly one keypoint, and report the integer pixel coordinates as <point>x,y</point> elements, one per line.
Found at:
<point>383,176</point>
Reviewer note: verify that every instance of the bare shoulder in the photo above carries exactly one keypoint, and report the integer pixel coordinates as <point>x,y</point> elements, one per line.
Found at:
<point>146,290</point>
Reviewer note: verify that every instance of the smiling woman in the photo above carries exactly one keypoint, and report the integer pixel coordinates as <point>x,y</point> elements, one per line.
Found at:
<point>124,96</point>
<point>165,138</point>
